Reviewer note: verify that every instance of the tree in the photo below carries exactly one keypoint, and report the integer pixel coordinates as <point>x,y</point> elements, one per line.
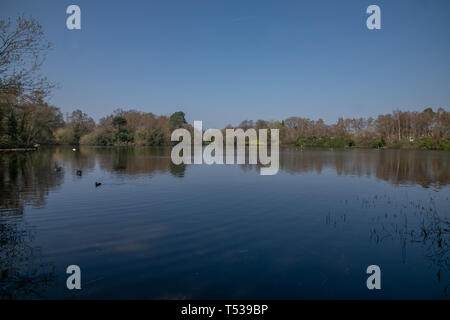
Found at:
<point>24,116</point>
<point>119,122</point>
<point>177,120</point>
<point>23,49</point>
<point>246,124</point>
<point>80,124</point>
<point>39,122</point>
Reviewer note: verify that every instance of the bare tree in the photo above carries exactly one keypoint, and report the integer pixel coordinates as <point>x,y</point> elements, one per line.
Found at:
<point>23,49</point>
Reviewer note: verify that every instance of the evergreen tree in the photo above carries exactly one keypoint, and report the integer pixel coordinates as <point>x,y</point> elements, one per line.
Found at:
<point>177,120</point>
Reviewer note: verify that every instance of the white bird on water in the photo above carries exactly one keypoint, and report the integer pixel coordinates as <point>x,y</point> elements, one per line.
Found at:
<point>73,149</point>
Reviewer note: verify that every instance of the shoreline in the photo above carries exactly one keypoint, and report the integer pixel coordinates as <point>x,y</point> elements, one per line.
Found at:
<point>168,146</point>
<point>18,149</point>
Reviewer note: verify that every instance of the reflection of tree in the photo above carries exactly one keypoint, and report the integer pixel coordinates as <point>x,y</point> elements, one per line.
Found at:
<point>21,273</point>
<point>120,159</point>
<point>177,170</point>
<point>26,178</point>
<point>83,159</point>
<point>137,161</point>
<point>426,168</point>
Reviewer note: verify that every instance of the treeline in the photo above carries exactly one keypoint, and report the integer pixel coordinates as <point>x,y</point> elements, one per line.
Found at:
<point>122,128</point>
<point>400,129</point>
<point>32,121</point>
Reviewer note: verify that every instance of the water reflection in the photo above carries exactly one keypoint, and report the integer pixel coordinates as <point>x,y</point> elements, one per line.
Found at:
<point>127,161</point>
<point>129,204</point>
<point>138,161</point>
<point>26,178</point>
<point>425,168</point>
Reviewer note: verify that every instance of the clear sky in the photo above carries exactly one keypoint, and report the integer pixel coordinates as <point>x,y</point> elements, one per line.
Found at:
<point>226,61</point>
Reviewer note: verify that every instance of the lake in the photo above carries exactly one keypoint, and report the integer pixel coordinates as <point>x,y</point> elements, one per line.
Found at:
<point>154,230</point>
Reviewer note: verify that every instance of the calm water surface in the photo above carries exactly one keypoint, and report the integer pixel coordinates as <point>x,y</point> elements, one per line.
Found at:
<point>154,230</point>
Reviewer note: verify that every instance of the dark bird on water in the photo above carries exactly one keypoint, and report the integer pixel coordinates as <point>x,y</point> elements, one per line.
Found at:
<point>58,169</point>
<point>79,173</point>
<point>97,184</point>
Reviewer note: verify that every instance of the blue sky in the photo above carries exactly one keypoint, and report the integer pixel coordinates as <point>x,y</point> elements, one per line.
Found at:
<point>226,61</point>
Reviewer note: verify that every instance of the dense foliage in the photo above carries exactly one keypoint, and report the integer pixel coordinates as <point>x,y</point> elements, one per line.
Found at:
<point>131,128</point>
<point>28,123</point>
